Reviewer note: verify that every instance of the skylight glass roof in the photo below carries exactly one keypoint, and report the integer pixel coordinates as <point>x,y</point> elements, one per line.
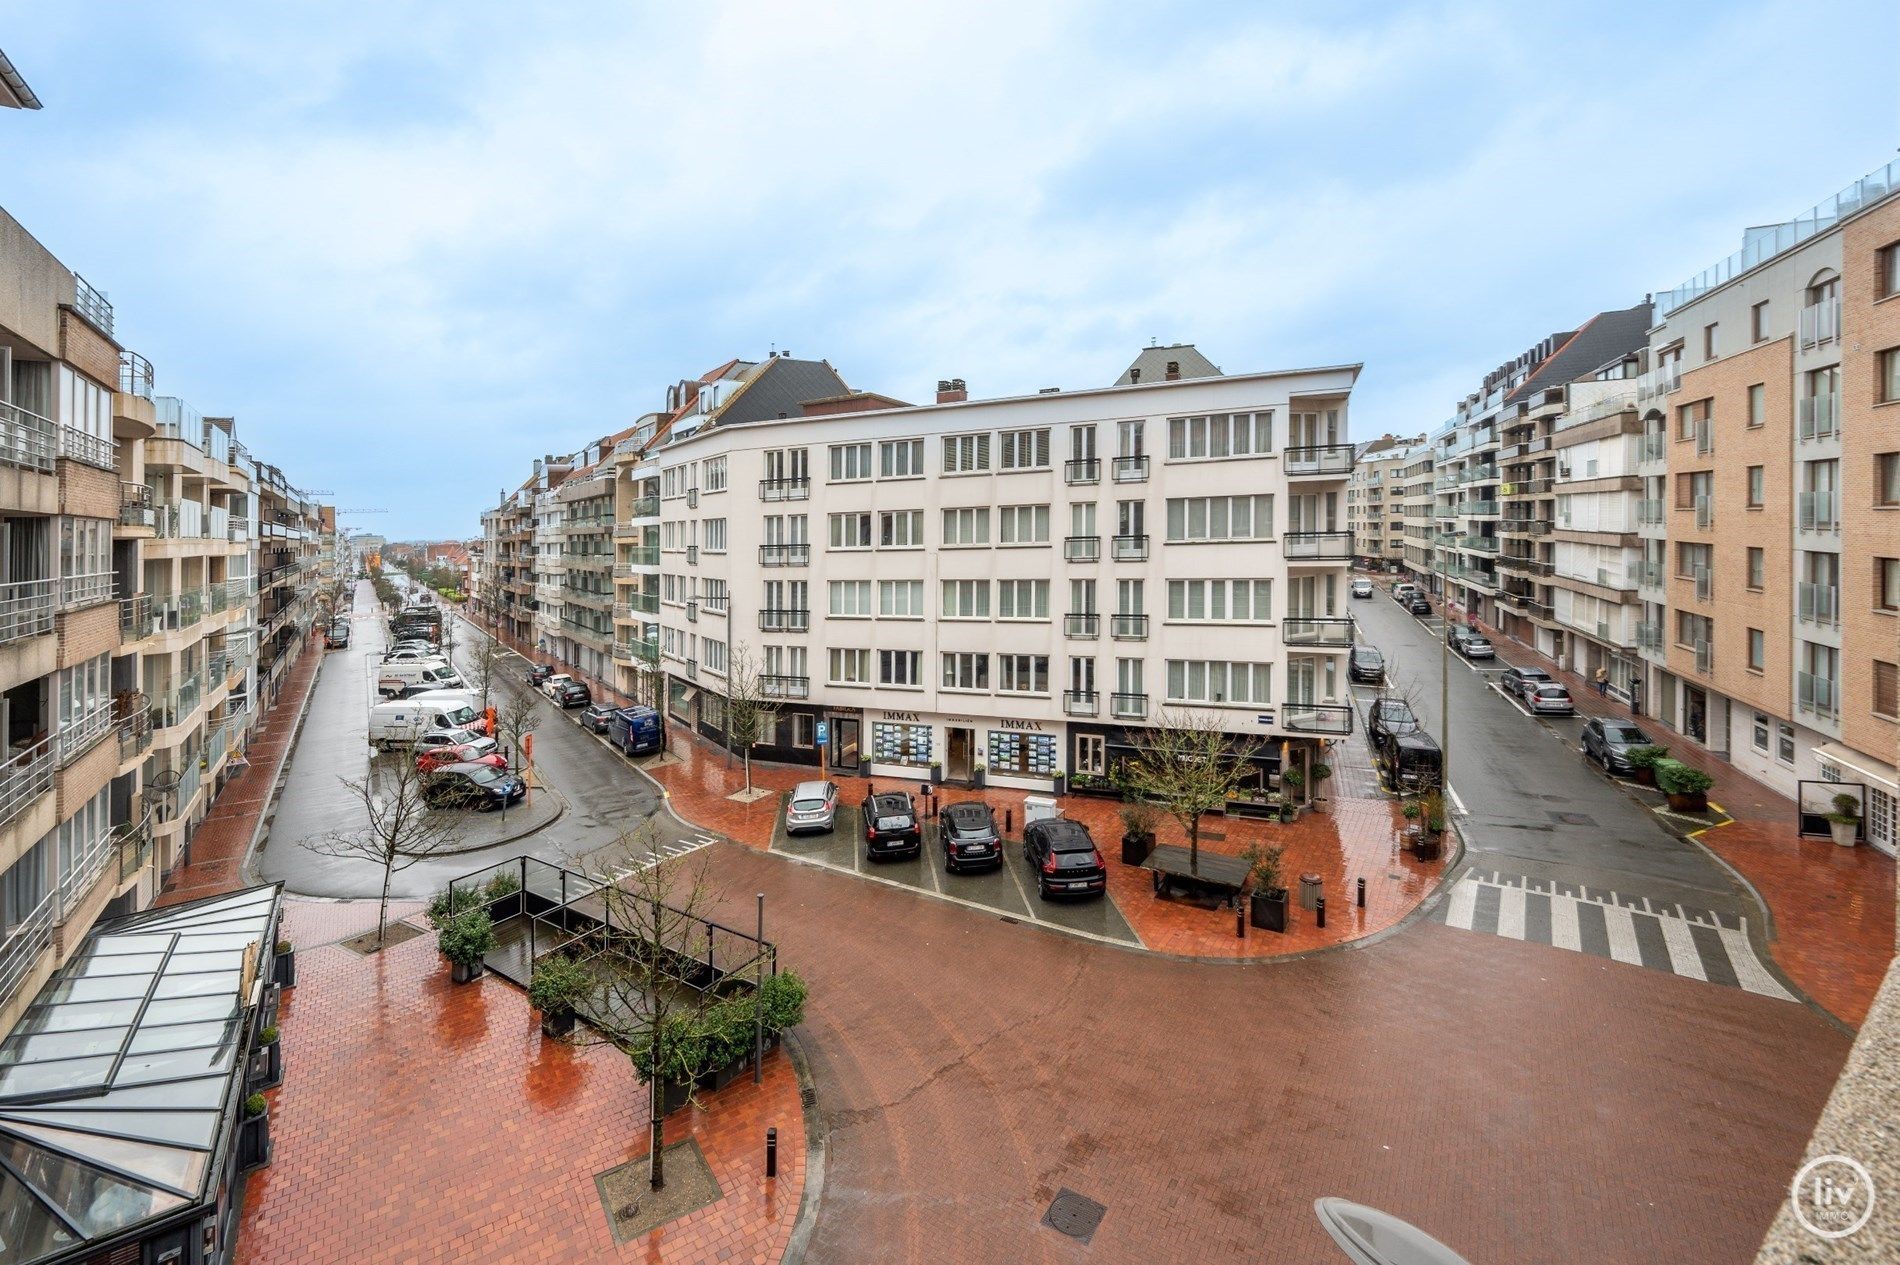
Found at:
<point>113,1083</point>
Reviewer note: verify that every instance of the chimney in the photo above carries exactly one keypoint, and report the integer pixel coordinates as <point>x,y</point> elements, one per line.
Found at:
<point>951,391</point>
<point>1174,371</point>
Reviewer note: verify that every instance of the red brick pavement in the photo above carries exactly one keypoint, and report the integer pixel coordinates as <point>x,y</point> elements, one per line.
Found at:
<point>421,1121</point>
<point>1833,923</point>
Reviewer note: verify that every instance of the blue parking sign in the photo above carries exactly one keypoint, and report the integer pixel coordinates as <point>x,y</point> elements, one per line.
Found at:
<point>824,733</point>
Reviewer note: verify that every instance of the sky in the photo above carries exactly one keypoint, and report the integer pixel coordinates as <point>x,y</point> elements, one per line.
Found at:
<point>412,245</point>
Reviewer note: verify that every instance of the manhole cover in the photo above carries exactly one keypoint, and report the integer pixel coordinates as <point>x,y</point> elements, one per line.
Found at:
<point>1075,1215</point>
<point>1573,819</point>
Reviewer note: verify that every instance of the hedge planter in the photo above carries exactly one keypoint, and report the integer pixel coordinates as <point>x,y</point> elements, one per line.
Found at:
<point>1688,802</point>
<point>466,972</point>
<point>557,1023</point>
<point>284,967</point>
<point>674,1095</point>
<point>1267,910</point>
<point>267,1063</point>
<point>254,1148</point>
<point>1136,848</point>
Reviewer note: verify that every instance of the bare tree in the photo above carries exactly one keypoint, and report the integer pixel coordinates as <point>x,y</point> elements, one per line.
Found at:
<point>749,709</point>
<point>1188,767</point>
<point>398,827</point>
<point>518,716</point>
<point>485,669</point>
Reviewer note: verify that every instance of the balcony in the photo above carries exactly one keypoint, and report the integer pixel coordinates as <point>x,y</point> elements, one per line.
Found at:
<point>692,612</point>
<point>1649,575</point>
<point>1526,487</point>
<point>1659,381</point>
<point>27,440</point>
<point>636,651</point>
<point>1524,563</point>
<point>1329,461</point>
<point>1820,416</point>
<point>1316,718</point>
<point>1820,323</point>
<point>135,506</point>
<point>639,556</point>
<point>26,609</point>
<point>1649,636</point>
<point>784,489</point>
<point>1129,469</point>
<point>1705,657</point>
<point>1081,703</point>
<point>785,555</point>
<point>1818,513</point>
<point>1085,470</point>
<point>1135,548</point>
<point>784,619</point>
<point>131,712</point>
<point>643,507</point>
<point>1819,603</point>
<point>88,449</point>
<point>1653,447</point>
<point>25,777</point>
<point>1523,527</point>
<point>136,376</point>
<point>1082,548</point>
<point>1816,694</point>
<point>692,555</point>
<point>778,685</point>
<point>1479,544</point>
<point>1649,512</point>
<point>1318,546</point>
<point>30,935</point>
<point>1128,706</point>
<point>1086,625</point>
<point>1302,630</point>
<point>1128,627</point>
<point>132,841</point>
<point>1477,509</point>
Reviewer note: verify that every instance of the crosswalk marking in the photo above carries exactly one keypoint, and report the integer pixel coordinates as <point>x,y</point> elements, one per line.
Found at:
<point>1697,944</point>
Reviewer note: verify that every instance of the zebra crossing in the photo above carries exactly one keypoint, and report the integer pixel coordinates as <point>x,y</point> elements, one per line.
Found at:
<point>1698,943</point>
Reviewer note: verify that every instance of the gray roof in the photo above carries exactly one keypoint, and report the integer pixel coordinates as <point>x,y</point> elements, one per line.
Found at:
<point>1152,365</point>
<point>780,388</point>
<point>13,89</point>
<point>1604,337</point>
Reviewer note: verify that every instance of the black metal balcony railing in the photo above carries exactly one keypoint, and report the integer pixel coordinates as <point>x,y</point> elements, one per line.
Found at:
<point>1081,702</point>
<point>779,685</point>
<point>1320,459</point>
<point>1130,469</point>
<point>1316,718</point>
<point>1129,706</point>
<point>1135,548</point>
<point>784,489</point>
<point>1082,548</point>
<point>1085,625</point>
<point>135,375</point>
<point>1128,627</point>
<point>1084,470</point>
<point>1308,631</point>
<point>784,619</point>
<point>785,555</point>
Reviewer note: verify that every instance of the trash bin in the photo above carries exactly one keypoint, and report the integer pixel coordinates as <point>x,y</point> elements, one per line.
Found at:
<point>1038,808</point>
<point>1309,891</point>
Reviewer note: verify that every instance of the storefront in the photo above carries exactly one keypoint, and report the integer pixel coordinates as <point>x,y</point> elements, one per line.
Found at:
<point>1025,754</point>
<point>1096,751</point>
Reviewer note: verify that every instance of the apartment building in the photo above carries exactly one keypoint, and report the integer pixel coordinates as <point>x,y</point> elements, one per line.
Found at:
<point>1769,586</point>
<point>1008,589</point>
<point>1416,488</point>
<point>1375,502</point>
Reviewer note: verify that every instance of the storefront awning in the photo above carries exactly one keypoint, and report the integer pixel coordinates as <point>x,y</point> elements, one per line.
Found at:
<point>1873,770</point>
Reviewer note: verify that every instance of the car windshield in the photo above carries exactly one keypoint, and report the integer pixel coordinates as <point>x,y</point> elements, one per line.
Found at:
<point>968,823</point>
<point>462,715</point>
<point>482,775</point>
<point>807,805</point>
<point>1625,734</point>
<point>1550,691</point>
<point>897,821</point>
<point>1475,642</point>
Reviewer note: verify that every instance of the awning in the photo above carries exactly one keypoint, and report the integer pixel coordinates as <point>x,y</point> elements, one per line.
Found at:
<point>1860,762</point>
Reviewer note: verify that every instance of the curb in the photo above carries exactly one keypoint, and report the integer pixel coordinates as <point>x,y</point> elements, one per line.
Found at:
<point>561,807</point>
<point>267,815</point>
<point>815,1154</point>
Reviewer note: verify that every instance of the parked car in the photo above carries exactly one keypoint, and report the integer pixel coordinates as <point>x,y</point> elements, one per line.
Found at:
<point>1419,606</point>
<point>1457,633</point>
<point>1362,588</point>
<point>1404,592</point>
<point>480,744</point>
<point>571,693</point>
<point>1367,664</point>
<point>597,717</point>
<point>1389,716</point>
<point>1608,742</point>
<point>1518,681</point>
<point>1414,760</point>
<point>890,825</point>
<point>429,759</point>
<point>551,684</point>
<point>1064,858</point>
<point>813,806</point>
<point>969,837</point>
<point>1472,646</point>
<point>471,786</point>
<point>539,673</point>
<point>637,730</point>
<point>1549,698</point>
<point>337,637</point>
<point>413,654</point>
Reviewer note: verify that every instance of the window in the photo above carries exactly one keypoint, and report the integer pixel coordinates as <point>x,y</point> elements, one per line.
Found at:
<point>802,732</point>
<point>1757,650</point>
<point>1756,565</point>
<point>900,744</point>
<point>900,459</point>
<point>966,599</point>
<point>1220,435</point>
<point>900,529</point>
<point>1757,404</point>
<point>1192,518</point>
<point>1690,416</point>
<point>1784,742</point>
<point>1889,367</point>
<point>966,454</point>
<point>1215,681</point>
<point>1887,584</point>
<point>1025,755</point>
<point>1238,600</point>
<point>1887,272</point>
<point>714,474</point>
<point>850,667</point>
<point>1022,599</point>
<point>1758,321</point>
<point>1756,487</point>
<point>715,535</point>
<point>851,599</point>
<point>851,531</point>
<point>900,667</point>
<point>1708,341</point>
<point>1022,673</point>
<point>1886,688</point>
<point>1887,479</point>
<point>1761,733</point>
<point>966,526</point>
<point>24,887</point>
<point>1023,525</point>
<point>1023,449</point>
<point>83,689</point>
<point>850,461</point>
<point>900,599</point>
<point>966,672</point>
<point>712,655</point>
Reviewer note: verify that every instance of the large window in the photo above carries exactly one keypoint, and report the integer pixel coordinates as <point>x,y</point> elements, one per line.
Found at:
<point>1023,673</point>
<point>900,599</point>
<point>900,667</point>
<point>1214,681</point>
<point>966,672</point>
<point>850,667</point>
<point>1025,755</point>
<point>712,655</point>
<point>84,689</point>
<point>1887,584</point>
<point>1887,478</point>
<point>900,529</point>
<point>1193,518</point>
<point>1239,600</point>
<point>82,840</point>
<point>850,599</point>
<point>1022,599</point>
<point>1023,525</point>
<point>850,462</point>
<point>900,459</point>
<point>966,599</point>
<point>893,743</point>
<point>1023,449</point>
<point>1220,435</point>
<point>713,472</point>
<point>851,531</point>
<point>1888,364</point>
<point>969,526</point>
<point>966,454</point>
<point>715,535</point>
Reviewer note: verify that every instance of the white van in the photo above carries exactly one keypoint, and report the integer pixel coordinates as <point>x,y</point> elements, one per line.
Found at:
<point>464,706</point>
<point>401,722</point>
<point>395,679</point>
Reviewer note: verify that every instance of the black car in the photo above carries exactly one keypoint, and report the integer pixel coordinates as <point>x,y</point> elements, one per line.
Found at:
<point>1389,716</point>
<point>968,834</point>
<point>1608,742</point>
<point>1064,858</point>
<point>1419,606</point>
<point>890,826</point>
<point>597,717</point>
<point>573,694</point>
<point>1367,665</point>
<point>474,786</point>
<point>539,673</point>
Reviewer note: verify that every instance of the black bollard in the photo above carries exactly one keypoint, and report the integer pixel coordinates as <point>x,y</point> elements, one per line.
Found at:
<point>771,1152</point>
<point>1009,821</point>
<point>1319,908</point>
<point>1362,893</point>
<point>1240,922</point>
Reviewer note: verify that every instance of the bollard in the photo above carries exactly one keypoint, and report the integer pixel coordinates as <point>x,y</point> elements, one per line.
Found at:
<point>1362,893</point>
<point>771,1152</point>
<point>1240,923</point>
<point>1009,821</point>
<point>1320,909</point>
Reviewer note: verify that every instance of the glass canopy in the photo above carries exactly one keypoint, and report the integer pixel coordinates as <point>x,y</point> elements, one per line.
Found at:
<point>113,1083</point>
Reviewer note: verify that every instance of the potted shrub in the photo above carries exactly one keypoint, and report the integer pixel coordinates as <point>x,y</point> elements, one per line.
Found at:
<point>464,940</point>
<point>936,772</point>
<point>1320,771</point>
<point>785,995</point>
<point>496,894</point>
<point>979,776</point>
<point>451,901</point>
<point>283,965</point>
<point>1293,782</point>
<point>1642,761</point>
<point>267,1060</point>
<point>558,986</point>
<point>1844,821</point>
<point>1687,787</point>
<point>254,1133</point>
<point>1139,819</point>
<point>1266,904</point>
<point>681,1058</point>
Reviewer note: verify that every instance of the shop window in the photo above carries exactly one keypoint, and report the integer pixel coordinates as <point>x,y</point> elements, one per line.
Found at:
<point>1026,755</point>
<point>893,743</point>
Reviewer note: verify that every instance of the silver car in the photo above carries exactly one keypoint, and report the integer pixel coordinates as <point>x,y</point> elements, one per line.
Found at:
<point>813,806</point>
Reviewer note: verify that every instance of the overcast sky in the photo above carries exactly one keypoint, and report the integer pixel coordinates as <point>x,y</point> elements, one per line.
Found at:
<point>412,245</point>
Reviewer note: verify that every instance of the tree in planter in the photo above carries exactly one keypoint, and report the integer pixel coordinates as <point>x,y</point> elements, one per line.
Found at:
<point>1844,821</point>
<point>1321,771</point>
<point>749,711</point>
<point>1293,782</point>
<point>558,986</point>
<point>1188,767</point>
<point>1431,810</point>
<point>1267,903</point>
<point>465,940</point>
<point>397,827</point>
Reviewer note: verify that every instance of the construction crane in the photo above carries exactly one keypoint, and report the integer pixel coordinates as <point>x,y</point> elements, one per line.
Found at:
<point>362,511</point>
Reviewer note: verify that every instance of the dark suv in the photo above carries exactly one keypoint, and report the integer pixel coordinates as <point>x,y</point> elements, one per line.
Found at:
<point>1065,860</point>
<point>890,826</point>
<point>1386,717</point>
<point>1366,664</point>
<point>574,694</point>
<point>968,833</point>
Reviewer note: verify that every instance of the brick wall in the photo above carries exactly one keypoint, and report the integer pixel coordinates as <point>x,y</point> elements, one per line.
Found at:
<point>1869,325</point>
<point>87,491</point>
<point>88,633</point>
<point>87,350</point>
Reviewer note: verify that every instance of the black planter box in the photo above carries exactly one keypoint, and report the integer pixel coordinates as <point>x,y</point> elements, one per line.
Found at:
<point>1099,790</point>
<point>284,969</point>
<point>254,1149</point>
<point>1135,848</point>
<point>674,1095</point>
<point>1267,910</point>
<point>267,1066</point>
<point>557,1023</point>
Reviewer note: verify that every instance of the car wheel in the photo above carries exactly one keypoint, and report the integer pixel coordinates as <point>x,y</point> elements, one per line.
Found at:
<point>1042,890</point>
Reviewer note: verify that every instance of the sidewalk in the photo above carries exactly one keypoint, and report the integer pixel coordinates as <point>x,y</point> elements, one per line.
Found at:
<point>1832,907</point>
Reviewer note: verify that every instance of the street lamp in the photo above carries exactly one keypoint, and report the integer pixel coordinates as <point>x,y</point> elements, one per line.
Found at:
<point>1444,666</point>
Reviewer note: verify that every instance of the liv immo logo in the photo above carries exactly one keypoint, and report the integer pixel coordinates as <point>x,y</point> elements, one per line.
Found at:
<point>1833,1196</point>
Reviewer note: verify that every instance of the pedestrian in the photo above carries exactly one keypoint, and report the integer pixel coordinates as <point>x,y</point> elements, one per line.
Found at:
<point>1603,681</point>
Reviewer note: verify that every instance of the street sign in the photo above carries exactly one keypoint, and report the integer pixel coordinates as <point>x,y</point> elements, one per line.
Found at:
<point>1265,718</point>
<point>824,733</point>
